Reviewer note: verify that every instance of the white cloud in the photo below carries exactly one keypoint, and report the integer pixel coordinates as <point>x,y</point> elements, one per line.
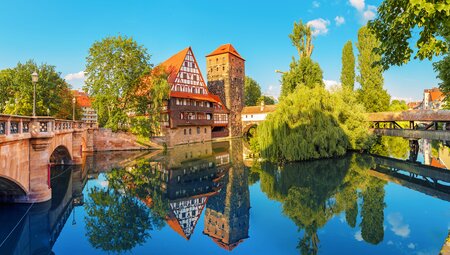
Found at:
<point>411,246</point>
<point>358,4</point>
<point>330,84</point>
<point>315,4</point>
<point>358,236</point>
<point>390,242</point>
<point>369,13</point>
<point>75,76</point>
<point>319,26</point>
<point>397,226</point>
<point>339,20</point>
<point>273,90</point>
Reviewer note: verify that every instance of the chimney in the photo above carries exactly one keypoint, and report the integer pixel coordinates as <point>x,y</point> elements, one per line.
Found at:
<point>262,105</point>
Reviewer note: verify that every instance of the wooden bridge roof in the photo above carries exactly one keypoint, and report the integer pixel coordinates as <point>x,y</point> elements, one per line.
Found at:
<point>413,115</point>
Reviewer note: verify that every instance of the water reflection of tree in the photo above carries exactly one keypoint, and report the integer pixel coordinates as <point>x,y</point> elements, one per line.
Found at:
<point>120,216</point>
<point>312,192</point>
<point>391,146</point>
<point>115,222</point>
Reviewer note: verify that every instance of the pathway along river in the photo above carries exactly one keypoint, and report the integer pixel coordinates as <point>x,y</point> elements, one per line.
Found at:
<point>206,199</point>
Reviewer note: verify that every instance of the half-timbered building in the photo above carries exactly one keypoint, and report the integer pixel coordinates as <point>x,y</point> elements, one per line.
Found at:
<point>192,112</point>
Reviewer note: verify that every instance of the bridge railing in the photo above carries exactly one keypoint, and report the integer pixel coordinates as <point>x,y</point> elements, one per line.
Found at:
<point>21,127</point>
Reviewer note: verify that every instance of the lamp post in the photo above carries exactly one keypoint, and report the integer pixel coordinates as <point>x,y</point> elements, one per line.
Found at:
<point>34,80</point>
<point>74,100</point>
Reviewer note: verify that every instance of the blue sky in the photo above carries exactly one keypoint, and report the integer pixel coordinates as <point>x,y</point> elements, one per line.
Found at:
<point>61,32</point>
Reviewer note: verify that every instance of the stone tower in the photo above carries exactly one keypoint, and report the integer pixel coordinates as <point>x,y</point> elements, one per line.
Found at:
<point>226,77</point>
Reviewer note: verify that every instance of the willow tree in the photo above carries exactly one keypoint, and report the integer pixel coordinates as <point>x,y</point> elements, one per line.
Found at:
<point>114,68</point>
<point>348,66</point>
<point>313,123</point>
<point>371,94</point>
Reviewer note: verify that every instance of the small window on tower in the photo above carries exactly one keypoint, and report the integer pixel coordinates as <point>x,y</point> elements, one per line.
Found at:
<point>217,68</point>
<point>223,68</point>
<point>217,60</point>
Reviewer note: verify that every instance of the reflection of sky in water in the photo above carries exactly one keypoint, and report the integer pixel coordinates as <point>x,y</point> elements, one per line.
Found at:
<point>413,223</point>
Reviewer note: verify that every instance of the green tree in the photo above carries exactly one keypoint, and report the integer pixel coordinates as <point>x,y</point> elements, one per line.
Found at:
<point>114,69</point>
<point>53,94</point>
<point>303,71</point>
<point>398,106</point>
<point>301,39</point>
<point>443,69</point>
<point>371,95</point>
<point>398,20</point>
<point>348,66</point>
<point>252,91</point>
<point>313,123</point>
<point>266,99</point>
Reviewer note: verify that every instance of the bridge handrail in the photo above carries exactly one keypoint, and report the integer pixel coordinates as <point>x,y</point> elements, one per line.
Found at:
<point>20,126</point>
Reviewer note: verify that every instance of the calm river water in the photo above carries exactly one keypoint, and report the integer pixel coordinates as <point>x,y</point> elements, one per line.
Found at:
<point>208,199</point>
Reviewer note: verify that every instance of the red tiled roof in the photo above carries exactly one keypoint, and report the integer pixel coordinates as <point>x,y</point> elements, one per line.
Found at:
<point>174,63</point>
<point>257,109</point>
<point>82,98</point>
<point>437,163</point>
<point>206,97</point>
<point>226,48</point>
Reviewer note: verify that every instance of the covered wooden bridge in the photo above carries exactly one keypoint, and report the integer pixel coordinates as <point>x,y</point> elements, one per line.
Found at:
<point>416,124</point>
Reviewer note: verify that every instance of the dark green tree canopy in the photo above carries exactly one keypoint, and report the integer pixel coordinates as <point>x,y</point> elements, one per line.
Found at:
<point>398,20</point>
<point>53,94</point>
<point>266,99</point>
<point>114,69</point>
<point>348,66</point>
<point>252,91</point>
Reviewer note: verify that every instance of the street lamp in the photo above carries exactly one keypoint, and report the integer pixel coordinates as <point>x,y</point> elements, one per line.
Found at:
<point>74,100</point>
<point>34,80</point>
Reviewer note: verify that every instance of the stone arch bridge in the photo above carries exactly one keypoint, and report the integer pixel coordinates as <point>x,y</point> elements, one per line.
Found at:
<point>29,146</point>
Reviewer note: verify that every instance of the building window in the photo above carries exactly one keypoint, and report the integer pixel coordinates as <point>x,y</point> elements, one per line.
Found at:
<point>186,64</point>
<point>190,131</point>
<point>195,77</point>
<point>184,131</point>
<point>217,68</point>
<point>251,116</point>
<point>198,130</point>
<point>184,76</point>
<point>205,130</point>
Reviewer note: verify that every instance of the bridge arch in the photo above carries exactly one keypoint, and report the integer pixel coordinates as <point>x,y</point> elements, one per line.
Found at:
<point>247,128</point>
<point>60,156</point>
<point>11,189</point>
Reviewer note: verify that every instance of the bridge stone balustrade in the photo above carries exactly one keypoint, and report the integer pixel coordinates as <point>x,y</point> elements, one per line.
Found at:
<point>28,145</point>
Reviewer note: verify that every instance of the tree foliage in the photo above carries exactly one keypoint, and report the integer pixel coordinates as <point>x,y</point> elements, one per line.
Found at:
<point>399,20</point>
<point>442,67</point>
<point>304,72</point>
<point>252,91</point>
<point>53,94</point>
<point>371,95</point>
<point>114,69</point>
<point>266,99</point>
<point>398,106</point>
<point>301,39</point>
<point>313,123</point>
<point>348,66</point>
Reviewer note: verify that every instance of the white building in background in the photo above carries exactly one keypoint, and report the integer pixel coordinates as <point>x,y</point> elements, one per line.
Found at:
<point>433,99</point>
<point>89,114</point>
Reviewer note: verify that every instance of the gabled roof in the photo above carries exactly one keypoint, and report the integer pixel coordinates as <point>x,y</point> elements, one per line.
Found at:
<point>174,63</point>
<point>435,94</point>
<point>226,48</point>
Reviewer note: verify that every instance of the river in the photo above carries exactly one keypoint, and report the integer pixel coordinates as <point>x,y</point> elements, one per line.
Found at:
<point>210,199</point>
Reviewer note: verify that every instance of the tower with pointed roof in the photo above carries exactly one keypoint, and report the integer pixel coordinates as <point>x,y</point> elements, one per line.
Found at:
<point>226,76</point>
